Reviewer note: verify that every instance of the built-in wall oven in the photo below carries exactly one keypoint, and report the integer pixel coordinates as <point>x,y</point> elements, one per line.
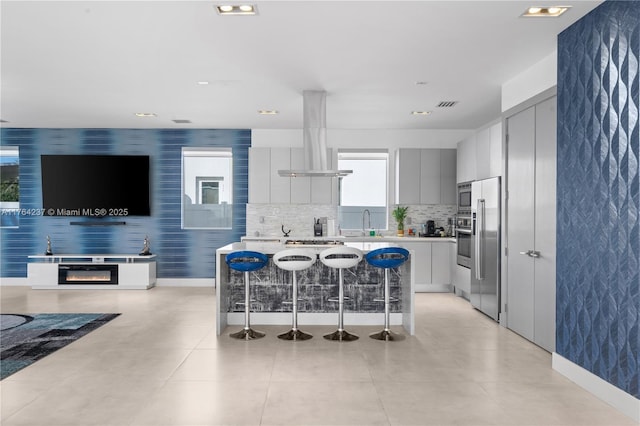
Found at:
<point>463,240</point>
<point>463,225</point>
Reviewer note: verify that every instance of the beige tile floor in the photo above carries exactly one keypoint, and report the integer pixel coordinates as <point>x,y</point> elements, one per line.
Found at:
<point>160,363</point>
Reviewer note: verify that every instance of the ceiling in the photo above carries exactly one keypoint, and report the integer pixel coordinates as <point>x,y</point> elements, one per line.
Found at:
<point>94,64</point>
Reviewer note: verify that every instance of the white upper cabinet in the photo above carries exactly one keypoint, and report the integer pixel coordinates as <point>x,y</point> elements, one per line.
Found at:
<point>324,190</point>
<point>425,176</point>
<point>448,171</point>
<point>280,186</point>
<point>466,170</point>
<point>489,152</point>
<point>480,155</point>
<point>266,186</point>
<point>408,166</point>
<point>300,186</point>
<point>429,176</point>
<point>259,171</point>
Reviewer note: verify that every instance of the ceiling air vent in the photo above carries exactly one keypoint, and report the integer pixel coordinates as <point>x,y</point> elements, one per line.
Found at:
<point>182,121</point>
<point>446,104</point>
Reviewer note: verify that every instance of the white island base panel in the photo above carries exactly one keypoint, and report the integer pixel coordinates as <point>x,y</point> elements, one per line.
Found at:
<point>135,272</point>
<point>405,319</point>
<point>315,318</point>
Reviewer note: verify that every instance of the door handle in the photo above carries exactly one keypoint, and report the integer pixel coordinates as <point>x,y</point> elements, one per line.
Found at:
<point>480,233</point>
<point>531,253</point>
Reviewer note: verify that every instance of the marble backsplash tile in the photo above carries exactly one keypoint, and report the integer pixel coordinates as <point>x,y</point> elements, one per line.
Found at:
<point>267,220</point>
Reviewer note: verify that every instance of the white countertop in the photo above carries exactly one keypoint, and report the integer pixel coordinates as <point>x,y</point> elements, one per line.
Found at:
<point>270,247</point>
<point>382,239</point>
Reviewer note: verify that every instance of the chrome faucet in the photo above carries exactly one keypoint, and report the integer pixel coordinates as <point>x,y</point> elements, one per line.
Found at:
<point>368,221</point>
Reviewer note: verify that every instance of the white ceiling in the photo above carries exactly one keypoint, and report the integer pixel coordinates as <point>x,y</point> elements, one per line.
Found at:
<point>96,63</point>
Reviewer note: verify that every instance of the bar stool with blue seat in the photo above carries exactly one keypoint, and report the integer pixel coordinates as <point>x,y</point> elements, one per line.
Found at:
<point>387,258</point>
<point>295,259</point>
<point>341,258</point>
<point>246,261</point>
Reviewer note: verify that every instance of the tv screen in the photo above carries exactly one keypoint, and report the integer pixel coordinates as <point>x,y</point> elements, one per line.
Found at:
<point>95,185</point>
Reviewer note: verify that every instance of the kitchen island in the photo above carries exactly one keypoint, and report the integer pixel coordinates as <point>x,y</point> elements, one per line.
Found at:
<point>271,286</point>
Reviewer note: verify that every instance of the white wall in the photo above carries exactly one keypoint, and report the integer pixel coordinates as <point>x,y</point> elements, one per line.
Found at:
<point>540,77</point>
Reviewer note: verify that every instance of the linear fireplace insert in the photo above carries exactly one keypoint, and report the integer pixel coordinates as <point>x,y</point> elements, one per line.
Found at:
<point>87,274</point>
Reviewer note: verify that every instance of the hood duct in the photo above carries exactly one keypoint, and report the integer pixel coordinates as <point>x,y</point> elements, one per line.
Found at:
<point>314,138</point>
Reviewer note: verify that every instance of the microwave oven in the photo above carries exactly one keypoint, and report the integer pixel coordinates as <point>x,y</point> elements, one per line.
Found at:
<point>464,198</point>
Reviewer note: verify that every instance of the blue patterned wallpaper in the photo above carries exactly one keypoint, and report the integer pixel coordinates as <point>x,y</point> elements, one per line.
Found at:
<point>181,253</point>
<point>598,232</point>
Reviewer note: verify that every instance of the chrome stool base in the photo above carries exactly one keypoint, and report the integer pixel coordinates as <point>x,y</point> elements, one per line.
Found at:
<point>295,335</point>
<point>387,336</point>
<point>341,336</point>
<point>248,334</point>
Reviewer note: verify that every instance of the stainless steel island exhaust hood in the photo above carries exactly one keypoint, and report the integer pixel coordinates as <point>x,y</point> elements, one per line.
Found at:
<point>314,138</point>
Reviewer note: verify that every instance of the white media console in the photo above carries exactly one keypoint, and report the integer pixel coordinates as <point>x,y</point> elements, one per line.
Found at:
<point>92,271</point>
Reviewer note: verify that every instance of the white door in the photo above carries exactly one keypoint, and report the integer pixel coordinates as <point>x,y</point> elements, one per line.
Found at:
<point>520,221</point>
<point>531,223</point>
<point>545,226</point>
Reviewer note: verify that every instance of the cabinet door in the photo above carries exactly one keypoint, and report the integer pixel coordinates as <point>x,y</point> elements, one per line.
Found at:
<point>408,162</point>
<point>421,261</point>
<point>448,188</point>
<point>259,175</point>
<point>322,191</point>
<point>300,186</point>
<point>495,150</point>
<point>483,152</point>
<point>466,170</point>
<point>429,176</point>
<point>280,186</point>
<point>440,263</point>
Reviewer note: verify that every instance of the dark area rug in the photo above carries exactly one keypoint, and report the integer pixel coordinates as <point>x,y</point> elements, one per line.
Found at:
<point>24,339</point>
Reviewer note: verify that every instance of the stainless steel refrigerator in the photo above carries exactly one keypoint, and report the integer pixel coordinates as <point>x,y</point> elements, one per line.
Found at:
<point>485,246</point>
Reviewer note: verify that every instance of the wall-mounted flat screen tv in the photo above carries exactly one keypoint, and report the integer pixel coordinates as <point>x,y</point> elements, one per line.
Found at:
<point>95,185</point>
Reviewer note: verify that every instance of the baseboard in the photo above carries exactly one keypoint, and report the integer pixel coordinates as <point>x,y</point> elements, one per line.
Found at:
<point>432,288</point>
<point>160,282</point>
<point>14,281</point>
<point>616,397</point>
<point>186,282</point>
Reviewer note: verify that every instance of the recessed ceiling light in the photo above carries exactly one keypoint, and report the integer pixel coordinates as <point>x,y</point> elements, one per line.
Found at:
<point>545,12</point>
<point>243,9</point>
<point>145,114</point>
<point>203,83</point>
<point>267,112</point>
<point>420,112</point>
<point>421,83</point>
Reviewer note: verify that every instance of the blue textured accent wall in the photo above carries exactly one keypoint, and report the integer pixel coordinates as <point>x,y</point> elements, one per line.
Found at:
<point>181,253</point>
<point>598,233</point>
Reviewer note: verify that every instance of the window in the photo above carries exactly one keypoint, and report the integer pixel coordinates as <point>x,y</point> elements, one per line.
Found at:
<point>9,187</point>
<point>365,189</point>
<point>207,188</point>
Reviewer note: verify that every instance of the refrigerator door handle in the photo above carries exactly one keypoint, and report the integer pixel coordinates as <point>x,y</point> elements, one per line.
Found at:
<point>480,233</point>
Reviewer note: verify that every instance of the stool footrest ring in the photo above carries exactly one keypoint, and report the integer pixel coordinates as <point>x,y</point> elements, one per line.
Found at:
<point>391,300</point>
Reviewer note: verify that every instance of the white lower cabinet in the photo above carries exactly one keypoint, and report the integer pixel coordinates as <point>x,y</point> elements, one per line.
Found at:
<point>432,265</point>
